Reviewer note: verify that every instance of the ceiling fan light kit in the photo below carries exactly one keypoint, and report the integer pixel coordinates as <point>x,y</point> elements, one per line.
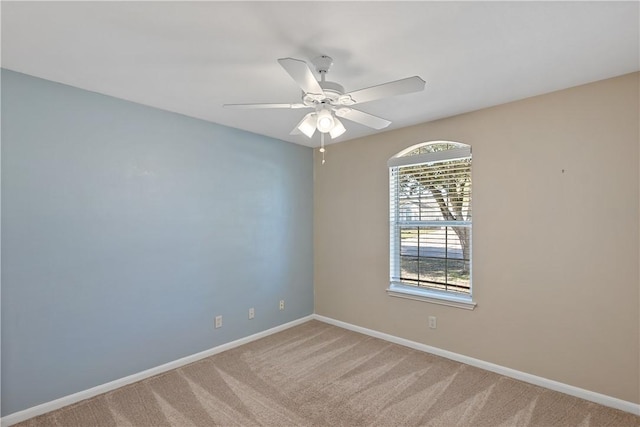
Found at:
<point>330,101</point>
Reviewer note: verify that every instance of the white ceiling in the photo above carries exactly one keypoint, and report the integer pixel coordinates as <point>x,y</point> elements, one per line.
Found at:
<point>192,57</point>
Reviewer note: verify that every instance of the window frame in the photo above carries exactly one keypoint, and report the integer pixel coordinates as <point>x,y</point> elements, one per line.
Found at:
<point>397,288</point>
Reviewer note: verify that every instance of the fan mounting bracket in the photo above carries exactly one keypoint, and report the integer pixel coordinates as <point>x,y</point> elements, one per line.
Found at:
<point>323,63</point>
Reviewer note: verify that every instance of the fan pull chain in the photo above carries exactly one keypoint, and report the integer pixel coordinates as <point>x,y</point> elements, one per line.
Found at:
<point>322,150</point>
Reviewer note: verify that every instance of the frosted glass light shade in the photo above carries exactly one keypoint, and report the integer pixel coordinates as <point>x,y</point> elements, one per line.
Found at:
<point>325,121</point>
<point>338,129</point>
<point>308,125</point>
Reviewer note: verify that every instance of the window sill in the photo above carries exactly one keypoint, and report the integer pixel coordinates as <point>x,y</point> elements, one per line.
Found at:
<point>410,292</point>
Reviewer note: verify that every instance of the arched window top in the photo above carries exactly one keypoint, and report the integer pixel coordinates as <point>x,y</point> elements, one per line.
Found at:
<point>429,152</point>
<point>430,147</point>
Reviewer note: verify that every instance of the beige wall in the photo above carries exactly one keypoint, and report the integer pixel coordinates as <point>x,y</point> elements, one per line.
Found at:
<point>555,255</point>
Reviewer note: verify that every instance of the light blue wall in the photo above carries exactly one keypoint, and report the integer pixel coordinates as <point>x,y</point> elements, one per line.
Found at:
<point>126,229</point>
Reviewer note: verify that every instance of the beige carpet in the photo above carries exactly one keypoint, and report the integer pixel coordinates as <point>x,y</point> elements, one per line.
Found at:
<point>321,375</point>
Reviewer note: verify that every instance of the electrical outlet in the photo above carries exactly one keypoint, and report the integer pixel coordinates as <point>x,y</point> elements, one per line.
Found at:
<point>252,313</point>
<point>218,322</point>
<point>281,304</point>
<point>432,322</point>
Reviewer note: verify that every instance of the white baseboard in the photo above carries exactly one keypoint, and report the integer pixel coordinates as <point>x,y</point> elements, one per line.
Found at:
<point>34,411</point>
<point>591,396</point>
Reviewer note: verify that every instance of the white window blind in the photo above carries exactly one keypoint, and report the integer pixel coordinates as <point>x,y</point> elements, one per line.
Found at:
<point>430,219</point>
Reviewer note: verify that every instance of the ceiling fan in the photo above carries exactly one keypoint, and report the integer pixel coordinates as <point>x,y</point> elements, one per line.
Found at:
<point>329,100</point>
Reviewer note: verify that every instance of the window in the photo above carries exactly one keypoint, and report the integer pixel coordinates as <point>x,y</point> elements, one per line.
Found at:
<point>430,223</point>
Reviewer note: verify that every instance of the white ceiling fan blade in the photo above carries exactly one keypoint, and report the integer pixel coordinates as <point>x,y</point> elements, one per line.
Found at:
<point>302,74</point>
<point>363,118</point>
<point>398,87</point>
<point>253,106</point>
<point>307,126</point>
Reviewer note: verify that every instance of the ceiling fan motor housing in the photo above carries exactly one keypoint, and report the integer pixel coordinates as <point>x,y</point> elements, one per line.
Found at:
<point>332,90</point>
<point>333,95</point>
